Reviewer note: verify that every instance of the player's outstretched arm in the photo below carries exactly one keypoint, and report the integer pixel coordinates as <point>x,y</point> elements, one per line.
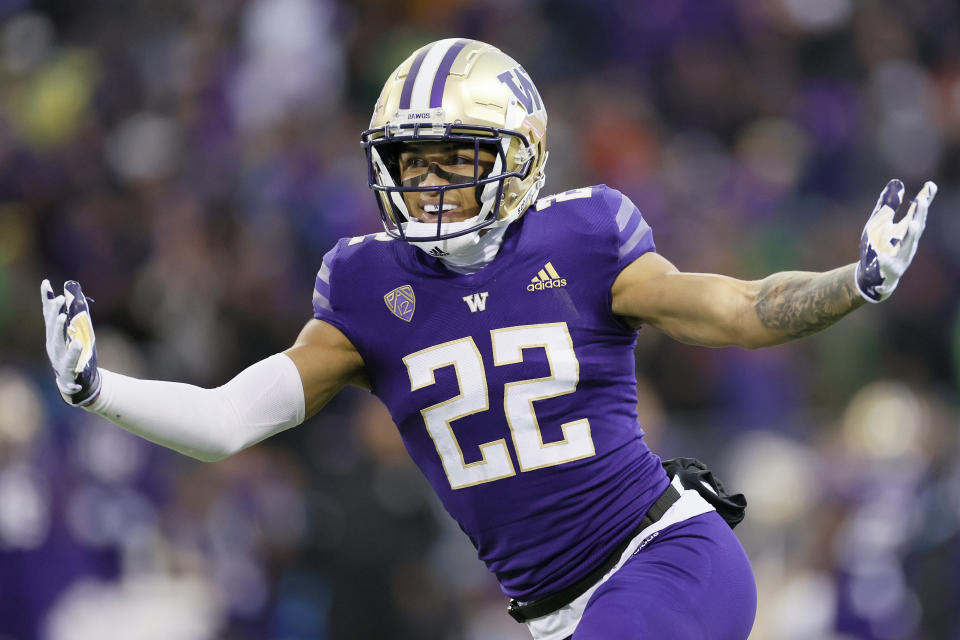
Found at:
<point>207,424</point>
<point>716,310</point>
<point>327,362</point>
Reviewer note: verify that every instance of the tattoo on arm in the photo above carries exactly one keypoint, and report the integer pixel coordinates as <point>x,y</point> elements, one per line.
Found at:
<point>797,304</point>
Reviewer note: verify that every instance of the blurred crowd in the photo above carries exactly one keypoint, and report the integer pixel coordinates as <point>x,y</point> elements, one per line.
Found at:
<point>190,163</point>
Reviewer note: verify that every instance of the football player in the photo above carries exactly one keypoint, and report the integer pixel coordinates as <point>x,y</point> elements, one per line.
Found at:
<point>499,329</point>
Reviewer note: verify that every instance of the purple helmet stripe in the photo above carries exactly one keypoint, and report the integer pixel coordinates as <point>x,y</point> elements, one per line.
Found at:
<point>411,78</point>
<point>440,80</point>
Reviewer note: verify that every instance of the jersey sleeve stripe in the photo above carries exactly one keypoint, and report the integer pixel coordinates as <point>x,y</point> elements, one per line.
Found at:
<point>322,287</point>
<point>321,302</point>
<point>625,212</point>
<point>631,226</point>
<point>642,230</point>
<point>323,284</point>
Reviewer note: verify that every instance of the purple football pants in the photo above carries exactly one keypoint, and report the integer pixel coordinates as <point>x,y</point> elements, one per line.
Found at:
<point>692,582</point>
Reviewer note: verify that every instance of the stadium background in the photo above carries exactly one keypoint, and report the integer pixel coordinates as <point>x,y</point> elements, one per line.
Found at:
<point>190,163</point>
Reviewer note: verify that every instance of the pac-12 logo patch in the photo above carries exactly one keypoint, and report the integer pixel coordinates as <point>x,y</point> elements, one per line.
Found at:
<point>401,302</point>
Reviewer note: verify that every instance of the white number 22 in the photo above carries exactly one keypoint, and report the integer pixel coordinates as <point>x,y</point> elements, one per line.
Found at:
<point>518,398</point>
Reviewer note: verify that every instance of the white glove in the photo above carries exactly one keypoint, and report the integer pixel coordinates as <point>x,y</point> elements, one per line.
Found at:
<point>886,247</point>
<point>71,345</point>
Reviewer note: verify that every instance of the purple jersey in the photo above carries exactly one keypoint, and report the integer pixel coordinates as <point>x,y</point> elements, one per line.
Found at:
<point>514,387</point>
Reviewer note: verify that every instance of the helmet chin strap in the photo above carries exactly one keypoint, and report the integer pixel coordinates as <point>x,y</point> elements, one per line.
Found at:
<point>442,248</point>
<point>464,254</point>
<point>480,254</point>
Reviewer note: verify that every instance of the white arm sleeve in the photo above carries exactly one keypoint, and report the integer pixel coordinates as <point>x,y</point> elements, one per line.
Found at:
<point>207,424</point>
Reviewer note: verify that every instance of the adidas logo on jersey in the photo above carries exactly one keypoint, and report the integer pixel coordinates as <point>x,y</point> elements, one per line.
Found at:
<point>546,278</point>
<point>437,252</point>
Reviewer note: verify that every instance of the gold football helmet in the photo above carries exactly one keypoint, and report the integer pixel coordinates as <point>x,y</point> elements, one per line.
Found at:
<point>460,91</point>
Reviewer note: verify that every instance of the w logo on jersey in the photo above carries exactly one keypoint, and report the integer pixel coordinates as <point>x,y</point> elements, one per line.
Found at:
<point>476,301</point>
<point>522,87</point>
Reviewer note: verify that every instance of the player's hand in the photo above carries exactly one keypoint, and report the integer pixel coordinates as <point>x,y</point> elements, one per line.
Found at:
<point>71,345</point>
<point>886,247</point>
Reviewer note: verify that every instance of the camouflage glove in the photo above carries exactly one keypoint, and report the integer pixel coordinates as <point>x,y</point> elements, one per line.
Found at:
<point>71,345</point>
<point>887,247</point>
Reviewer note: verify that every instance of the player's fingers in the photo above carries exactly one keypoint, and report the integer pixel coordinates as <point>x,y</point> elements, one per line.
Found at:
<point>918,208</point>
<point>897,234</point>
<point>55,308</point>
<point>924,198</point>
<point>915,227</point>
<point>73,356</point>
<point>918,218</point>
<point>883,214</point>
<point>916,222</point>
<point>50,315</point>
<point>891,196</point>
<point>68,388</point>
<point>49,306</point>
<point>906,242</point>
<point>48,299</point>
<point>55,328</point>
<point>901,227</point>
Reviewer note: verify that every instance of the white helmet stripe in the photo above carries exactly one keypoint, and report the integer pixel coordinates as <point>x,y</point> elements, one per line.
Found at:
<point>440,79</point>
<point>423,84</point>
<point>411,76</point>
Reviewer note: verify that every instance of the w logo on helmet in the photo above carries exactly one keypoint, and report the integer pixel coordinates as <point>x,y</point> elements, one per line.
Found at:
<point>522,87</point>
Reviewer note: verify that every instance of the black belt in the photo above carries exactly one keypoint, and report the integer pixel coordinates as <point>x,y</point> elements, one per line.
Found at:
<point>538,608</point>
